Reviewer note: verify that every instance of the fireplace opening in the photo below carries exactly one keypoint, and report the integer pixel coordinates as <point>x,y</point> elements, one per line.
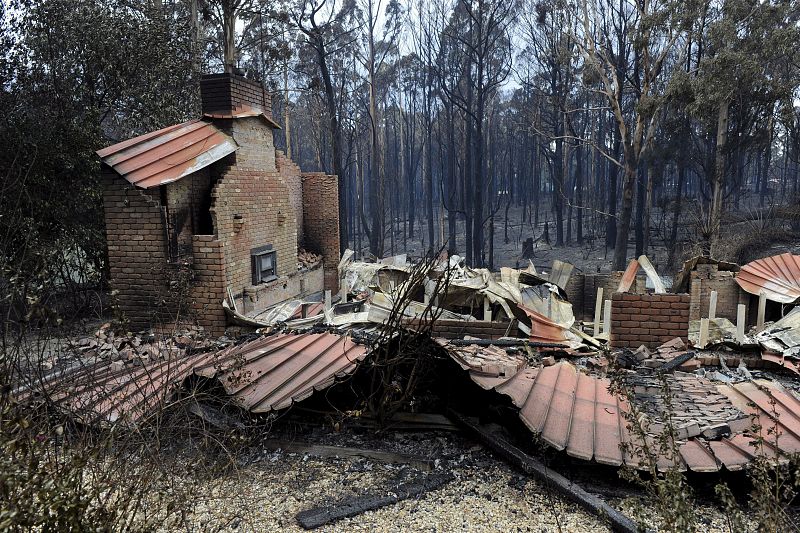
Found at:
<point>264,264</point>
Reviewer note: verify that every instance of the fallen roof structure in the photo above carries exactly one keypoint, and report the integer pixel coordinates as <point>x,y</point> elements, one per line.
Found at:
<point>577,412</point>
<point>262,375</point>
<point>105,393</point>
<point>722,419</point>
<point>271,373</point>
<point>778,277</point>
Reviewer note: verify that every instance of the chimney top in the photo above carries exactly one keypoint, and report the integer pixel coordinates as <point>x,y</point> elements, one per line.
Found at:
<point>230,94</point>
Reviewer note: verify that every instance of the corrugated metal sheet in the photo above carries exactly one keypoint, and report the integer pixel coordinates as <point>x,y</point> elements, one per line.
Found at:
<point>101,395</point>
<point>782,336</point>
<point>265,374</point>
<point>576,412</point>
<point>244,111</point>
<point>777,276</point>
<point>629,276</point>
<point>272,372</point>
<point>168,154</point>
<point>545,330</point>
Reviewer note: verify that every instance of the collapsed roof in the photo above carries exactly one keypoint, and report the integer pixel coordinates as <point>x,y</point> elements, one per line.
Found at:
<point>575,405</point>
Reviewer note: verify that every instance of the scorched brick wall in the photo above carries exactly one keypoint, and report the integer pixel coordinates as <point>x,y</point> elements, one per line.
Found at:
<point>321,222</point>
<point>582,290</point>
<point>649,319</point>
<point>290,173</point>
<point>707,278</point>
<point>208,289</point>
<point>137,256</point>
<point>226,93</point>
<point>253,188</point>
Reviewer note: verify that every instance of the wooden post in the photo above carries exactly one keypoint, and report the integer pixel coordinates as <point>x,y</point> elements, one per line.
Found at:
<point>487,309</point>
<point>327,300</point>
<point>762,309</point>
<point>703,333</point>
<point>740,324</point>
<point>607,318</point>
<point>598,306</point>
<point>712,305</point>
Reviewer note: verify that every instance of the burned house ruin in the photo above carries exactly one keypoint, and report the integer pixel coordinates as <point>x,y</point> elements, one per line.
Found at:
<point>208,209</point>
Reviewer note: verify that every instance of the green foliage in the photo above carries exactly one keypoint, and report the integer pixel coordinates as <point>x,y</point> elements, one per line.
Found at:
<point>747,42</point>
<point>74,77</point>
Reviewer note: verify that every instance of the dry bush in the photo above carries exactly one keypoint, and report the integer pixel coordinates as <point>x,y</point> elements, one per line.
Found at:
<point>401,356</point>
<point>57,474</point>
<point>670,502</point>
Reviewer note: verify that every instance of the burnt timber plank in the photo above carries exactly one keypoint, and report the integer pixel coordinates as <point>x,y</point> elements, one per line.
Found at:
<point>619,522</point>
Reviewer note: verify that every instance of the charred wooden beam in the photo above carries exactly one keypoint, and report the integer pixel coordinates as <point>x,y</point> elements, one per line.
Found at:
<point>675,362</point>
<point>619,522</point>
<point>319,516</point>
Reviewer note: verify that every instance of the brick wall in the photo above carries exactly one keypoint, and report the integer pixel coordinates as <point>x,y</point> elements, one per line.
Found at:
<point>582,290</point>
<point>290,173</point>
<point>321,222</point>
<point>254,188</point>
<point>299,285</point>
<point>262,187</point>
<point>575,294</point>
<point>208,288</point>
<point>707,278</point>
<point>136,249</point>
<point>223,93</point>
<point>649,319</point>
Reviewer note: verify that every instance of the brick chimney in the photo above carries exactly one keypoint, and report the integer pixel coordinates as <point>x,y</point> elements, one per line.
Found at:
<point>228,94</point>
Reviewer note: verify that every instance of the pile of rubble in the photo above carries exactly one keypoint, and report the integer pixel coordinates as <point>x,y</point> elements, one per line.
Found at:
<point>694,406</point>
<point>143,347</point>
<point>307,260</point>
<point>513,332</point>
<point>576,386</point>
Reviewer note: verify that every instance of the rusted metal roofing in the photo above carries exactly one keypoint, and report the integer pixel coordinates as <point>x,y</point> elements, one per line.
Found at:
<point>243,111</point>
<point>629,276</point>
<point>777,276</point>
<point>578,413</point>
<point>544,329</point>
<point>272,372</point>
<point>100,394</point>
<point>168,154</point>
<point>265,374</point>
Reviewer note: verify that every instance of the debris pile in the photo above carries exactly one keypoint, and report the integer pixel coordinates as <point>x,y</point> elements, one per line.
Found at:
<point>696,407</point>
<point>516,334</point>
<point>143,347</point>
<point>307,260</point>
